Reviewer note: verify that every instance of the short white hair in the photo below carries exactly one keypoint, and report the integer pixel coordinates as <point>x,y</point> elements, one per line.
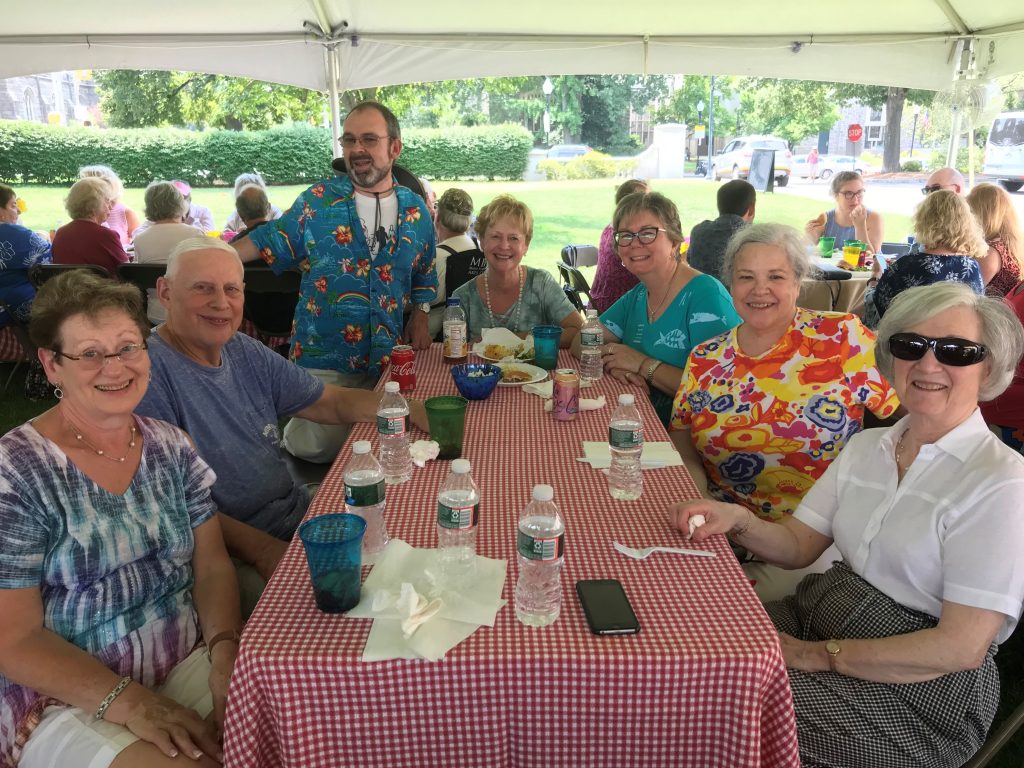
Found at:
<point>106,173</point>
<point>204,243</point>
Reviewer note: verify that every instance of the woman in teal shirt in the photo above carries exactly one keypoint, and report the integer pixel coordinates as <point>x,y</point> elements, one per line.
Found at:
<point>650,330</point>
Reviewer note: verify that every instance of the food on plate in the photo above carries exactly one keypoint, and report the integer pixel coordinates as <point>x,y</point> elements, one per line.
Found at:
<point>843,264</point>
<point>514,375</point>
<point>500,352</point>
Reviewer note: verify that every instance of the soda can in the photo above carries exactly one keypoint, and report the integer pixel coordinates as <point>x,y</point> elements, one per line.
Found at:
<point>403,367</point>
<point>865,259</point>
<point>566,393</point>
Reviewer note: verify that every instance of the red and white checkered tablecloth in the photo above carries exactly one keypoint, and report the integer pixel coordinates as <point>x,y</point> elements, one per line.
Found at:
<point>703,683</point>
<point>10,348</point>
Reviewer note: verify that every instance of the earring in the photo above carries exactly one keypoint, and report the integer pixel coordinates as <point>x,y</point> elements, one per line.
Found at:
<point>57,391</point>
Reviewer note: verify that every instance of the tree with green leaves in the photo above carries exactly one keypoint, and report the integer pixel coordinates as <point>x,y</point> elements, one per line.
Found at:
<point>789,109</point>
<point>893,98</point>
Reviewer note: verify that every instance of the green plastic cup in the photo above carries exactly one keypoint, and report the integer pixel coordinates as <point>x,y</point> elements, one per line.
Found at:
<point>446,417</point>
<point>825,246</point>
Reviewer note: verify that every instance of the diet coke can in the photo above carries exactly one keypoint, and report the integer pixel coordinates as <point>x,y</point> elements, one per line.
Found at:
<point>403,367</point>
<point>566,393</point>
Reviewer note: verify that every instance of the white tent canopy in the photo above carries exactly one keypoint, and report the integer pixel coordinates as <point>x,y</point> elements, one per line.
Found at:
<point>886,42</point>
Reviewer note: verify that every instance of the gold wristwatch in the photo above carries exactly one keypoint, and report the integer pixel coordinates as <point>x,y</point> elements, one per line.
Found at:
<point>833,647</point>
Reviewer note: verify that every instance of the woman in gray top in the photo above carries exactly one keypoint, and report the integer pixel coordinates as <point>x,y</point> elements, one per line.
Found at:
<point>509,294</point>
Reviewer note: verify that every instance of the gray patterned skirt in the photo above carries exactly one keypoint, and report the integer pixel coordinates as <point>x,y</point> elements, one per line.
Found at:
<point>845,722</point>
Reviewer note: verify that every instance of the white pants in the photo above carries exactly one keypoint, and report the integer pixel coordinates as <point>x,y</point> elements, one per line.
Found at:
<point>320,443</point>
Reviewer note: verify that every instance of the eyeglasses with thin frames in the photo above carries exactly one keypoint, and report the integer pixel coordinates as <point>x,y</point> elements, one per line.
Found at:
<point>94,360</point>
<point>859,194</point>
<point>646,236</point>
<point>368,140</point>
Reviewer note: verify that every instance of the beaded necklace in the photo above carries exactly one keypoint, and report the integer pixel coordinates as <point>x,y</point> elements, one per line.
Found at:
<point>81,439</point>
<point>518,305</point>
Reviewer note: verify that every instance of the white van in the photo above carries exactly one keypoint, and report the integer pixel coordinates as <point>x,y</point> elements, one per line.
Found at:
<point>1004,152</point>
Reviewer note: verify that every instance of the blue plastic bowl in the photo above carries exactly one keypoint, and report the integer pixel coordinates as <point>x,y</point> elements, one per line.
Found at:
<point>481,384</point>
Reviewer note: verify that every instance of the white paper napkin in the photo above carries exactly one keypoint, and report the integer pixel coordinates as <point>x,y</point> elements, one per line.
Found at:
<point>423,451</point>
<point>584,405</point>
<point>654,455</point>
<point>546,388</point>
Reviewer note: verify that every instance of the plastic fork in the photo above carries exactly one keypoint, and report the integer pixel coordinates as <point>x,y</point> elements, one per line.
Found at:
<point>642,552</point>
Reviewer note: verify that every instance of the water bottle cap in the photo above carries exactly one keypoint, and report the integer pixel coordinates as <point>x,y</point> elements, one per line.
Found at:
<point>391,387</point>
<point>361,447</point>
<point>460,466</point>
<point>591,313</point>
<point>626,399</point>
<point>543,493</point>
<point>453,302</point>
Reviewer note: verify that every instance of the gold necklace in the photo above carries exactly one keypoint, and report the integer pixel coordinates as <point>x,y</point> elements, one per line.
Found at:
<point>899,453</point>
<point>668,290</point>
<point>518,305</point>
<point>81,439</point>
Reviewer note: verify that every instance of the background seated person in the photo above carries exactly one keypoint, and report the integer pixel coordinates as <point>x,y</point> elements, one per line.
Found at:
<point>229,392</point>
<point>113,569</point>
<point>199,216</point>
<point>766,407</point>
<point>121,219</point>
<point>890,652</point>
<point>736,202</point>
<point>509,294</point>
<point>235,223</point>
<point>951,243</point>
<point>649,332</point>
<point>84,239</point>
<point>611,279</point>
<point>252,208</point>
<point>849,220</point>
<point>993,208</point>
<point>454,213</point>
<point>1005,414</point>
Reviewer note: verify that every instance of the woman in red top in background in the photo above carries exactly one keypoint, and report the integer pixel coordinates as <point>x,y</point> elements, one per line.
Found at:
<point>85,240</point>
<point>993,208</point>
<point>1005,414</point>
<point>612,279</point>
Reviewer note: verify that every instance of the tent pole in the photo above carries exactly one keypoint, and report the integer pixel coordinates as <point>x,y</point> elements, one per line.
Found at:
<point>332,91</point>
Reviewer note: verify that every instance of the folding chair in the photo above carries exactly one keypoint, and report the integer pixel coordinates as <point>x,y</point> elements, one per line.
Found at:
<point>144,276</point>
<point>895,249</point>
<point>1009,660</point>
<point>570,292</point>
<point>270,300</point>
<point>580,255</point>
<point>20,329</point>
<point>40,273</point>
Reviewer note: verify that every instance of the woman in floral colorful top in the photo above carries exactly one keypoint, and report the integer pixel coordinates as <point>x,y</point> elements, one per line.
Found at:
<point>763,409</point>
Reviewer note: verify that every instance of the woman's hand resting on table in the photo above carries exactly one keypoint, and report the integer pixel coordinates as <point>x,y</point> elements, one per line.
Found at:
<point>624,359</point>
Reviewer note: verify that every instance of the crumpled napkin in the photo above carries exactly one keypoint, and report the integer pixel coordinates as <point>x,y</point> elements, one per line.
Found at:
<point>423,451</point>
<point>413,608</point>
<point>545,389</point>
<point>696,522</point>
<point>584,405</point>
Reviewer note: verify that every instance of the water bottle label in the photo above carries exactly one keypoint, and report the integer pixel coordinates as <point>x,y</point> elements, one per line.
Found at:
<point>454,339</point>
<point>540,549</point>
<point>395,426</point>
<point>364,495</point>
<point>625,438</point>
<point>457,517</point>
<point>591,338</point>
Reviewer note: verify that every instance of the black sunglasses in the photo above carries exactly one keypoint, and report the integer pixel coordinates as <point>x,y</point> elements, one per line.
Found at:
<point>948,350</point>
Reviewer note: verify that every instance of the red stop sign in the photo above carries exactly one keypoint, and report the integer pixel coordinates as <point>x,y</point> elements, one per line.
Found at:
<point>854,132</point>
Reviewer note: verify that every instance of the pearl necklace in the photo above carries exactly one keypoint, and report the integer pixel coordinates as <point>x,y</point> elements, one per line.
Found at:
<point>668,289</point>
<point>81,439</point>
<point>518,305</point>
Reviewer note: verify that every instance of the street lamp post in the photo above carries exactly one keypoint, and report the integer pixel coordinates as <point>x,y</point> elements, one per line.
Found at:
<point>548,89</point>
<point>913,131</point>
<point>700,121</point>
<point>711,124</point>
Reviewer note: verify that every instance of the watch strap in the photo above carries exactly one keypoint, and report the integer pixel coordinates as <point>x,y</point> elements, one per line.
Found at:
<point>228,634</point>
<point>651,368</point>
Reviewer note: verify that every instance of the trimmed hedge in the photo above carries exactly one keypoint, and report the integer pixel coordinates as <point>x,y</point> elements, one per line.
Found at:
<point>32,153</point>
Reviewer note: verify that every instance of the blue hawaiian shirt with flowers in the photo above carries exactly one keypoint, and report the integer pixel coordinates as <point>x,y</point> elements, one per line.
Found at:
<point>351,308</point>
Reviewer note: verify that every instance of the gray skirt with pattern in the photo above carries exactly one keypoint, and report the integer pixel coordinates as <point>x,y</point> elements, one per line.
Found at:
<point>845,722</point>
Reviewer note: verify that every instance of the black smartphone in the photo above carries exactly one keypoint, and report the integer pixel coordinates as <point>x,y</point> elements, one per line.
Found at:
<point>606,607</point>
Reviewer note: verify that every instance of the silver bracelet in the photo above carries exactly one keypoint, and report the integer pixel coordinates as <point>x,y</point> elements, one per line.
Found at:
<point>121,685</point>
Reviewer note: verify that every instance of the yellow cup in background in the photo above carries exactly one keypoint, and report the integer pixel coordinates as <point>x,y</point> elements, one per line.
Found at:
<point>851,253</point>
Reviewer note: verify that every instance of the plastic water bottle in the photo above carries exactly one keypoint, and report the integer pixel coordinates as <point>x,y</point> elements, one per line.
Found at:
<point>364,495</point>
<point>626,443</point>
<point>393,431</point>
<point>540,544</point>
<point>591,338</point>
<point>458,512</point>
<point>453,324</point>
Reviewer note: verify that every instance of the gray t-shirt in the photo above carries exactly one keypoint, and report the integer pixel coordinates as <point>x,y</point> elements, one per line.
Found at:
<point>231,413</point>
<point>543,303</point>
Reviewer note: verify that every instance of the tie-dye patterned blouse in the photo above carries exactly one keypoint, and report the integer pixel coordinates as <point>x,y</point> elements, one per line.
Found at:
<point>114,571</point>
<point>767,427</point>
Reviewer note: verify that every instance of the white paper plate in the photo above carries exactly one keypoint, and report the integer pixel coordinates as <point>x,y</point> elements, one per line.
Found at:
<point>536,374</point>
<point>478,350</point>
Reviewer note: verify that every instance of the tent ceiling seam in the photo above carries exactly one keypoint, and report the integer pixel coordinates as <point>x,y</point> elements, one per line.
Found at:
<point>954,18</point>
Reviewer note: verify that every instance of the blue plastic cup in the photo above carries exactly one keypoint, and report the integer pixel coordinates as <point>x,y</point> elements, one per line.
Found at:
<point>334,545</point>
<point>911,240</point>
<point>545,345</point>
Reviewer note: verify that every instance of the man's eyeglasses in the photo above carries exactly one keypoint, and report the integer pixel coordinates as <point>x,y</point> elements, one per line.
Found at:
<point>853,195</point>
<point>94,360</point>
<point>948,350</point>
<point>368,140</point>
<point>646,236</point>
<point>933,188</point>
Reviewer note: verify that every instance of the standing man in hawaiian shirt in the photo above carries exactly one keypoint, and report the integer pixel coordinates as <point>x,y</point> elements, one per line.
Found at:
<point>366,248</point>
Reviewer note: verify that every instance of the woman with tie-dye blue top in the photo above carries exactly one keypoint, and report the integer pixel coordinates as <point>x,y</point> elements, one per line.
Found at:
<point>113,570</point>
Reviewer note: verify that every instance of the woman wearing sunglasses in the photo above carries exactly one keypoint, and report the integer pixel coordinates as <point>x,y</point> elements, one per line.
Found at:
<point>650,330</point>
<point>849,220</point>
<point>952,243</point>
<point>113,571</point>
<point>890,651</point>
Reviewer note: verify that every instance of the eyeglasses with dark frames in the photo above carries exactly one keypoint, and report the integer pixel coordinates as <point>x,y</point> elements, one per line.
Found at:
<point>646,236</point>
<point>368,140</point>
<point>94,360</point>
<point>948,350</point>
<point>933,188</point>
<point>853,195</point>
